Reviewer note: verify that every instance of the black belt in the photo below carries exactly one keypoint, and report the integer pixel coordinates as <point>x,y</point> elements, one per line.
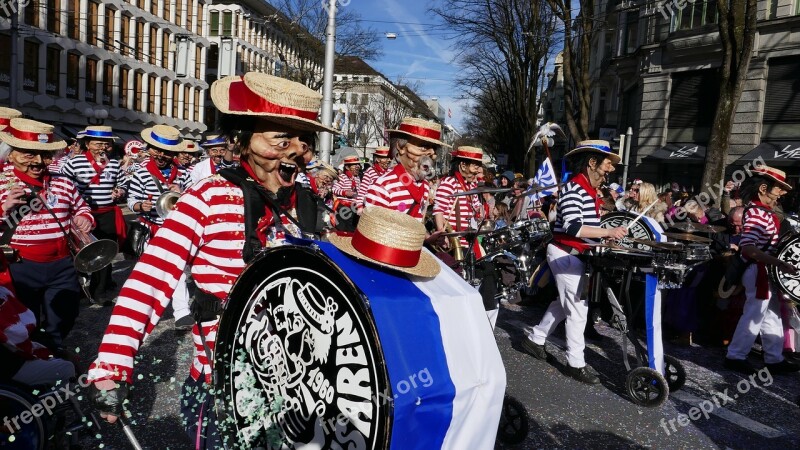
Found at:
<point>206,307</point>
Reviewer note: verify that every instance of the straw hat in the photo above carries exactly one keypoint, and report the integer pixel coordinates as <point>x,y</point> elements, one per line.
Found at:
<point>29,134</point>
<point>468,153</point>
<point>775,174</point>
<point>259,94</point>
<point>381,152</point>
<point>6,114</point>
<point>190,146</point>
<point>98,132</point>
<point>163,137</point>
<point>389,239</point>
<point>424,130</point>
<point>595,146</point>
<point>352,159</point>
<point>214,140</point>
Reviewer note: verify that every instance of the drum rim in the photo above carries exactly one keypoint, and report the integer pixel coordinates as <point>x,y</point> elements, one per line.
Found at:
<point>773,270</point>
<point>384,436</point>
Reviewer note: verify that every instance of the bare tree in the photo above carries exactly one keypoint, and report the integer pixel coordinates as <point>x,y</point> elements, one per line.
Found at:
<point>503,48</point>
<point>737,32</point>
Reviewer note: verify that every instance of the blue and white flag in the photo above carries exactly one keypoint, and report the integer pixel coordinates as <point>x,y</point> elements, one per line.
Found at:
<point>545,176</point>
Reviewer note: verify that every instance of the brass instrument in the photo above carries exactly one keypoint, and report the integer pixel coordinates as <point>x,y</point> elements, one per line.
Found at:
<point>455,243</point>
<point>166,203</point>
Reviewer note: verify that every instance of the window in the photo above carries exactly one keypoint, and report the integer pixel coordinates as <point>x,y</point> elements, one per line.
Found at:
<point>151,94</point>
<point>154,46</point>
<point>186,101</point>
<point>140,41</point>
<point>125,34</point>
<point>30,70</point>
<point>53,70</point>
<point>92,24</point>
<point>32,12</point>
<point>138,85</point>
<point>196,104</point>
<point>781,114</point>
<point>631,32</point>
<point>54,16</point>
<point>199,19</point>
<point>197,52</point>
<point>5,63</point>
<point>73,19</point>
<point>108,83</point>
<point>189,14</point>
<point>123,87</point>
<point>91,80</point>
<point>227,23</point>
<point>109,34</point>
<point>364,99</point>
<point>167,10</point>
<point>213,29</point>
<point>165,49</point>
<point>698,14</point>
<point>73,74</point>
<point>164,96</point>
<point>213,57</point>
<point>175,89</point>
<point>692,105</point>
<point>154,7</point>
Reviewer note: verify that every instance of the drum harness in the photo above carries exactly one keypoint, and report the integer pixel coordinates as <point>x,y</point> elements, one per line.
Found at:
<point>206,306</point>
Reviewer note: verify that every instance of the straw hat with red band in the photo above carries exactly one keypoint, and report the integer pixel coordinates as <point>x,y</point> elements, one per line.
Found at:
<point>25,134</point>
<point>775,174</point>
<point>595,146</point>
<point>468,153</point>
<point>352,159</point>
<point>281,100</point>
<point>421,129</point>
<point>163,137</point>
<point>6,114</point>
<point>190,146</point>
<point>389,239</point>
<point>381,152</point>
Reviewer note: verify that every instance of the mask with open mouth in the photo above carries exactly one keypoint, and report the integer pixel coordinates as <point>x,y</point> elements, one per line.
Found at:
<point>426,168</point>
<point>287,171</point>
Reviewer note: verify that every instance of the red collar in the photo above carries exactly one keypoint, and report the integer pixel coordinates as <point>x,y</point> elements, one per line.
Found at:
<point>417,190</point>
<point>97,167</point>
<point>156,172</point>
<point>33,182</point>
<point>349,174</point>
<point>583,181</point>
<point>213,166</point>
<point>380,170</point>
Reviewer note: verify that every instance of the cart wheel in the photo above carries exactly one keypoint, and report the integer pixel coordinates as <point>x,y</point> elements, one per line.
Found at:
<point>513,427</point>
<point>647,387</point>
<point>674,373</point>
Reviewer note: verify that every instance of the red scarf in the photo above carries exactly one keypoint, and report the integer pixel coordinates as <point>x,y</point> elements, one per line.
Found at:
<point>583,181</point>
<point>97,167</point>
<point>379,170</point>
<point>563,239</point>
<point>213,166</point>
<point>156,173</point>
<point>417,192</point>
<point>34,182</point>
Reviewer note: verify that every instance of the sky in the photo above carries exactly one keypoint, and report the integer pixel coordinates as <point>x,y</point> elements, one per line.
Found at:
<point>421,51</point>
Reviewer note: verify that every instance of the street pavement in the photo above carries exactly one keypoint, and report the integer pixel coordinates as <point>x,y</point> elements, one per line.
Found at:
<point>562,413</point>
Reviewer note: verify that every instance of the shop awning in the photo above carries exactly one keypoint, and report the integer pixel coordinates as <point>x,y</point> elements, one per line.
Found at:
<point>777,153</point>
<point>126,136</point>
<point>680,153</point>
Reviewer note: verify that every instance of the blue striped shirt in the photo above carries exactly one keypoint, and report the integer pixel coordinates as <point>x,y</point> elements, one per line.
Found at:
<point>575,209</point>
<point>81,172</point>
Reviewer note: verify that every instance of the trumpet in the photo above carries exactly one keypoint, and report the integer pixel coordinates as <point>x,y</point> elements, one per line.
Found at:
<point>166,203</point>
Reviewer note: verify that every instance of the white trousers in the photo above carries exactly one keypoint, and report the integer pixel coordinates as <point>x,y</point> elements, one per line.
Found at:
<point>569,274</point>
<point>758,316</point>
<point>180,299</point>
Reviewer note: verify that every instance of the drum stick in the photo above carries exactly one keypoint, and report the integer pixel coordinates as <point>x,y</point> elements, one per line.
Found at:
<point>126,428</point>
<point>632,222</point>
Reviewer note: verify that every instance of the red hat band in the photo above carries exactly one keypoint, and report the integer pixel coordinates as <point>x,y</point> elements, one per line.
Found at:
<point>420,131</point>
<point>242,99</point>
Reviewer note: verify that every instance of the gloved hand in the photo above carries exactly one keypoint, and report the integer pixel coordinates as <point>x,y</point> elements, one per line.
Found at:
<point>107,397</point>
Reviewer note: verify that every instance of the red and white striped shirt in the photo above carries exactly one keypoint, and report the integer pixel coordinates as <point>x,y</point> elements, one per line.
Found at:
<point>469,206</point>
<point>398,190</point>
<point>346,182</point>
<point>760,227</point>
<point>372,174</point>
<point>38,236</point>
<point>207,228</point>
<point>17,322</point>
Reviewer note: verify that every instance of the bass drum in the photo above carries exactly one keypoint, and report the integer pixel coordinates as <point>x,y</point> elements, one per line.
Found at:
<point>318,350</point>
<point>788,251</point>
<point>646,228</point>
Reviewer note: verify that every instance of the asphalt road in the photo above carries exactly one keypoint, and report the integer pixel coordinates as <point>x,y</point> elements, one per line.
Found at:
<point>562,413</point>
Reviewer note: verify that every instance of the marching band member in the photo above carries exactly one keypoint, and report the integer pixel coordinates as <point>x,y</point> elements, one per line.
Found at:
<point>459,212</point>
<point>265,116</point>
<point>762,308</point>
<point>219,156</point>
<point>405,188</point>
<point>101,183</point>
<point>38,212</point>
<point>184,161</point>
<point>577,224</point>
<point>380,166</point>
<point>345,191</point>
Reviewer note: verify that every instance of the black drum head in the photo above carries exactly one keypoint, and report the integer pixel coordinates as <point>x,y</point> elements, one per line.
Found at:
<point>298,358</point>
<point>639,230</point>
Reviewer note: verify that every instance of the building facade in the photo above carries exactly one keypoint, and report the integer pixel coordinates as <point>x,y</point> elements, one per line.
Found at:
<point>660,76</point>
<point>135,63</point>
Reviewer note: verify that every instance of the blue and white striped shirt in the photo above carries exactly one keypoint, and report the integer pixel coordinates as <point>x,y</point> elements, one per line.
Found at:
<point>575,209</point>
<point>96,195</point>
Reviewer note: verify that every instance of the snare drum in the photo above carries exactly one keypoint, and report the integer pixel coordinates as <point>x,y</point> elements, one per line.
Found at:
<point>696,253</point>
<point>318,350</point>
<point>646,228</point>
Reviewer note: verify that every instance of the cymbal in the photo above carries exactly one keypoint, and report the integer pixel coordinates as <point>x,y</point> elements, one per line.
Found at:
<point>469,233</point>
<point>536,189</point>
<point>693,227</point>
<point>688,237</point>
<point>658,245</point>
<point>480,190</point>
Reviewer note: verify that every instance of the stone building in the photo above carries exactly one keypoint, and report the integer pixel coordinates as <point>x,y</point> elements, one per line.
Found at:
<point>114,60</point>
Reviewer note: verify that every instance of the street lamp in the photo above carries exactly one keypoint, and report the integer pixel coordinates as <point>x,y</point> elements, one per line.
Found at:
<point>326,139</point>
<point>95,116</point>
